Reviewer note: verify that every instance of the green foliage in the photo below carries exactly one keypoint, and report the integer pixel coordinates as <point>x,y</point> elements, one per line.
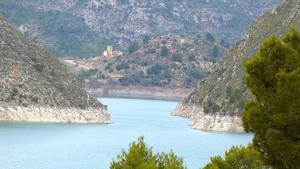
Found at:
<point>146,39</point>
<point>86,74</point>
<point>215,52</point>
<point>164,52</point>
<point>191,58</point>
<point>235,96</point>
<point>140,156</point>
<point>224,43</point>
<point>177,57</point>
<point>237,158</point>
<point>122,66</point>
<point>211,107</point>
<point>196,73</point>
<point>169,161</point>
<point>155,69</point>
<point>209,37</point>
<point>273,76</point>
<point>132,79</point>
<point>39,67</point>
<point>133,47</point>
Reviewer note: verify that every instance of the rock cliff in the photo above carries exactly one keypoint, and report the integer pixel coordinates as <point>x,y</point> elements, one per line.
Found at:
<point>217,102</point>
<point>36,87</point>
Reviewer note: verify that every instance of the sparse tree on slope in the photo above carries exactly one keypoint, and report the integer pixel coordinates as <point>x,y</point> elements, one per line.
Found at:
<point>273,76</point>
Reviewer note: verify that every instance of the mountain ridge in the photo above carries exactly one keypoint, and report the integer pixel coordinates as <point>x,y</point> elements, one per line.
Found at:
<point>36,87</point>
<point>122,21</point>
<point>222,94</point>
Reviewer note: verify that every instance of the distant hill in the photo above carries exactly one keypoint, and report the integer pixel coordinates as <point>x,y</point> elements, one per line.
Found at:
<point>217,102</point>
<point>84,27</point>
<point>36,87</point>
<point>168,62</point>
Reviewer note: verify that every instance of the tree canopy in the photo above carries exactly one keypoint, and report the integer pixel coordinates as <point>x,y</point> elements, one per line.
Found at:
<point>133,47</point>
<point>164,52</point>
<point>273,76</point>
<point>140,156</point>
<point>237,158</point>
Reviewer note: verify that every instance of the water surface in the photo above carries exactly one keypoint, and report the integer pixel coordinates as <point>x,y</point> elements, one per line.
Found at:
<point>62,146</point>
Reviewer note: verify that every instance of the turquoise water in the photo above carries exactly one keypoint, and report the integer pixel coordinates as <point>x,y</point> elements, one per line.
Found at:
<point>61,146</point>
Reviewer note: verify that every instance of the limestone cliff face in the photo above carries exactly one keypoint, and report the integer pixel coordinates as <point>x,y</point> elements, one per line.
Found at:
<point>35,86</point>
<point>53,114</point>
<point>223,92</point>
<point>209,122</point>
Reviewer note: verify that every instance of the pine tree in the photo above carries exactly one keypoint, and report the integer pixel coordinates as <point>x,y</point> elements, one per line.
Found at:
<point>140,156</point>
<point>237,158</point>
<point>273,76</point>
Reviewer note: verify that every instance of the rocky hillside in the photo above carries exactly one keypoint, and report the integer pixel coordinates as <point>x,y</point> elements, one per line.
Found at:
<point>168,62</point>
<point>36,87</point>
<point>81,27</point>
<point>217,102</point>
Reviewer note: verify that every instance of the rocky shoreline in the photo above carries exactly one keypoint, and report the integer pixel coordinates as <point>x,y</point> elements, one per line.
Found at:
<point>209,122</point>
<point>47,114</point>
<point>133,92</point>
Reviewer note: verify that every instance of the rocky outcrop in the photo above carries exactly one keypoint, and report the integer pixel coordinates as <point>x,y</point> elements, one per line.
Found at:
<point>209,122</point>
<point>53,114</point>
<point>36,87</point>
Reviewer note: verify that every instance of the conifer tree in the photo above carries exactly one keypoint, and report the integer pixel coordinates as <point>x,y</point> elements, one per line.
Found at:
<point>273,76</point>
<point>237,158</point>
<point>140,156</point>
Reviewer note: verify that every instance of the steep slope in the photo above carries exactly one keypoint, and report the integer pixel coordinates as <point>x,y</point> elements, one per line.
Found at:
<point>217,102</point>
<point>34,86</point>
<point>71,23</point>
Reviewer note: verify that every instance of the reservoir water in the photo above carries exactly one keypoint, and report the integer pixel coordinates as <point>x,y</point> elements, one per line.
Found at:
<point>65,146</point>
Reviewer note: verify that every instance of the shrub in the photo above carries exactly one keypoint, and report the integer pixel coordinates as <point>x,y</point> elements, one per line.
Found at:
<point>39,67</point>
<point>164,52</point>
<point>224,43</point>
<point>196,73</point>
<point>132,79</point>
<point>211,107</point>
<point>86,74</point>
<point>155,69</point>
<point>133,47</point>
<point>209,37</point>
<point>122,66</point>
<point>177,57</point>
<point>146,39</point>
<point>191,58</point>
<point>215,52</point>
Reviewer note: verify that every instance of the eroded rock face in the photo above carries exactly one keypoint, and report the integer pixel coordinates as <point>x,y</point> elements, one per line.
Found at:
<point>53,114</point>
<point>35,86</point>
<point>209,122</point>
